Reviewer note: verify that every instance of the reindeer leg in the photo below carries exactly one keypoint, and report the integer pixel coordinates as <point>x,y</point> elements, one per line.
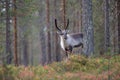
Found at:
<point>66,54</point>
<point>70,51</point>
<point>82,45</point>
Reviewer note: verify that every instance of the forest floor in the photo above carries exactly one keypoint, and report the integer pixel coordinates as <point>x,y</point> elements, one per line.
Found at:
<point>76,68</point>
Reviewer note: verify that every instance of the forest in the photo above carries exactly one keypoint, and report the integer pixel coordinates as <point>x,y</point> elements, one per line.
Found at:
<point>36,37</point>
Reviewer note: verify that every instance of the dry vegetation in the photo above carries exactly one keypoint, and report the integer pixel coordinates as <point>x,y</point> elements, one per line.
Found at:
<point>76,68</point>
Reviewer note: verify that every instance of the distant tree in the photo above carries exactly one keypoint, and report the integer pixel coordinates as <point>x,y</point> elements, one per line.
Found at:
<point>87,24</point>
<point>107,26</point>
<point>79,15</point>
<point>57,46</point>
<point>15,34</point>
<point>64,11</point>
<point>48,38</point>
<point>114,23</point>
<point>63,15</point>
<point>42,33</point>
<point>8,33</point>
<point>25,51</point>
<point>43,47</point>
<point>118,24</point>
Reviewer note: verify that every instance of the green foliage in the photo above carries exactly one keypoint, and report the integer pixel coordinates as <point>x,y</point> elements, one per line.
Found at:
<point>76,68</point>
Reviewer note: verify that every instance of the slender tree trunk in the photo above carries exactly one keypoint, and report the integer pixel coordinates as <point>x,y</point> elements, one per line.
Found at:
<point>87,24</point>
<point>63,17</point>
<point>80,17</point>
<point>15,35</point>
<point>113,28</point>
<point>43,54</point>
<point>57,47</point>
<point>8,39</point>
<point>48,33</point>
<point>25,52</point>
<point>118,15</point>
<point>107,31</point>
<point>74,22</point>
<point>64,12</point>
<point>31,51</point>
<point>43,47</point>
<point>78,21</point>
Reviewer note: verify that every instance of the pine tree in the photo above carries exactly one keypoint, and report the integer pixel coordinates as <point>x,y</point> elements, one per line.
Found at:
<point>87,24</point>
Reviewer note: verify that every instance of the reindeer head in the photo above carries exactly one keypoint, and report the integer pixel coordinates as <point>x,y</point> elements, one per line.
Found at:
<point>63,33</point>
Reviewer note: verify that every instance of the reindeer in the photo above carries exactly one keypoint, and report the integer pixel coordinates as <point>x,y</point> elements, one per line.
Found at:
<point>69,41</point>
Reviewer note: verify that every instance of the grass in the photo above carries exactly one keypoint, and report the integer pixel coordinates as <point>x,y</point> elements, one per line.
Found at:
<point>76,68</point>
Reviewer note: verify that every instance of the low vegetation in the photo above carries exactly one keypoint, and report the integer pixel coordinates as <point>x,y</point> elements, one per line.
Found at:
<point>76,68</point>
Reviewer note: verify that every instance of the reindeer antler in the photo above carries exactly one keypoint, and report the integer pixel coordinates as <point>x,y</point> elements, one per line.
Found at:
<point>67,24</point>
<point>56,25</point>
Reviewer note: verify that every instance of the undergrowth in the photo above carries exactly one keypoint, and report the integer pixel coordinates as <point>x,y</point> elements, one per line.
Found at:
<point>76,68</point>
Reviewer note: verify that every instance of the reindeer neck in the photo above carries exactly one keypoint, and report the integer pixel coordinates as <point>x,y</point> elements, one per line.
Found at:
<point>62,43</point>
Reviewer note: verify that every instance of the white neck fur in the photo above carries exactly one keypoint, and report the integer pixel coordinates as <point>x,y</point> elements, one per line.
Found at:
<point>62,43</point>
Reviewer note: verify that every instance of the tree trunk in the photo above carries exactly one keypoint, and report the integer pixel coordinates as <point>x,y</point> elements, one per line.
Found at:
<point>25,52</point>
<point>15,35</point>
<point>43,47</point>
<point>31,51</point>
<point>57,46</point>
<point>118,15</point>
<point>8,39</point>
<point>80,17</point>
<point>48,31</point>
<point>113,28</point>
<point>42,35</point>
<point>87,24</point>
<point>107,31</point>
<point>64,12</point>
